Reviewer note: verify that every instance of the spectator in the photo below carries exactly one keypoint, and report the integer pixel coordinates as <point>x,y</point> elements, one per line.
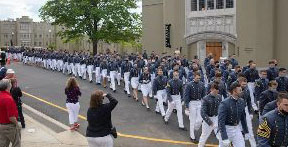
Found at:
<point>9,129</point>
<point>3,71</point>
<point>17,94</point>
<point>72,92</point>
<point>99,120</point>
<point>10,74</point>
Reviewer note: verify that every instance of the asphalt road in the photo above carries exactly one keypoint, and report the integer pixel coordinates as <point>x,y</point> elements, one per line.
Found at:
<point>129,116</point>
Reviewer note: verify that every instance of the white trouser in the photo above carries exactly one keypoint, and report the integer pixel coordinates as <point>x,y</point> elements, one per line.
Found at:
<point>48,63</point>
<point>126,82</point>
<point>206,131</point>
<point>97,75</point>
<point>54,64</point>
<point>90,72</point>
<point>194,117</point>
<point>235,136</point>
<point>73,110</point>
<point>176,103</point>
<point>69,69</point>
<point>72,68</point>
<point>152,80</point>
<point>112,79</point>
<point>146,88</point>
<point>251,87</point>
<point>77,69</point>
<point>65,67</point>
<point>83,71</point>
<point>106,141</point>
<point>118,77</point>
<point>161,94</point>
<point>104,73</point>
<point>45,63</point>
<point>250,128</point>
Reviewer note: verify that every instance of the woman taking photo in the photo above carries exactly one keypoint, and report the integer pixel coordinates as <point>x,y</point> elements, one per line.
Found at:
<point>72,92</point>
<point>99,120</point>
<point>17,94</point>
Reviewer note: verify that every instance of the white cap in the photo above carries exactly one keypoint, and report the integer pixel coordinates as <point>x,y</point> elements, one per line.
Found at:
<point>10,71</point>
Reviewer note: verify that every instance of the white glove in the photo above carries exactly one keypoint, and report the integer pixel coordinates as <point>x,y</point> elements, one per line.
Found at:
<point>187,112</point>
<point>246,136</point>
<point>226,143</point>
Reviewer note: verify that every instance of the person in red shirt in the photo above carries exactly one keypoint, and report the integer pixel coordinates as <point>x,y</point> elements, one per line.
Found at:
<point>9,129</point>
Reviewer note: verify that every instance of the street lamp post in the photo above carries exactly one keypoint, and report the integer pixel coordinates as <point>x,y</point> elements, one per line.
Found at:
<point>50,37</point>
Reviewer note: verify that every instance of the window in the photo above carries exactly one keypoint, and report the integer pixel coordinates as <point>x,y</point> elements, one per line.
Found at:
<point>24,36</point>
<point>35,43</point>
<point>40,43</point>
<point>201,5</point>
<point>193,5</point>
<point>210,4</point>
<point>46,43</point>
<point>35,36</point>
<point>219,4</point>
<point>229,3</point>
<point>40,36</point>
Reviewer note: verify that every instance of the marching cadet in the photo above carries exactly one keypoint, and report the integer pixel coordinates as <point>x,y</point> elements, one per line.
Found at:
<point>252,75</point>
<point>112,70</point>
<point>83,67</point>
<point>233,61</point>
<point>134,80</point>
<point>282,80</point>
<point>269,107</point>
<point>268,95</point>
<point>231,76</point>
<point>193,94</point>
<point>70,64</point>
<point>231,112</point>
<point>125,72</point>
<point>174,90</point>
<point>90,68</point>
<point>261,85</point>
<point>245,95</point>
<point>97,61</point>
<point>273,127</point>
<point>247,66</point>
<point>118,77</point>
<point>146,87</point>
<point>210,67</point>
<point>76,61</point>
<point>65,65</point>
<point>103,69</point>
<point>158,87</point>
<point>209,113</point>
<point>272,71</point>
<point>222,86</point>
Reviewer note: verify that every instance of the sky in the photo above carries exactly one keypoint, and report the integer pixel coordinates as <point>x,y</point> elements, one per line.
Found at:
<point>17,8</point>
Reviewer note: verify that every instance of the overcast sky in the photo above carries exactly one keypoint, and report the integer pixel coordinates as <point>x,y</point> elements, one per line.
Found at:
<point>17,8</point>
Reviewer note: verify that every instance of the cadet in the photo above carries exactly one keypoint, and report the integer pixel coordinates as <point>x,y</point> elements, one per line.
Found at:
<point>222,86</point>
<point>134,80</point>
<point>193,94</point>
<point>96,63</point>
<point>273,127</point>
<point>83,68</point>
<point>231,112</point>
<point>282,81</point>
<point>65,65</point>
<point>252,75</point>
<point>146,87</point>
<point>269,107</point>
<point>90,68</point>
<point>245,95</point>
<point>268,95</point>
<point>103,69</point>
<point>261,84</point>
<point>159,84</point>
<point>209,113</point>
<point>272,71</point>
<point>125,72</point>
<point>112,70</point>
<point>175,94</point>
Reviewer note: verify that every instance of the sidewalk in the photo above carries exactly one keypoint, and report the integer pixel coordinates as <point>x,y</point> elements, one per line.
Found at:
<point>38,135</point>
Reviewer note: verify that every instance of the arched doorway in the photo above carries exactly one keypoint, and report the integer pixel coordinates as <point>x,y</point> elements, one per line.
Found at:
<point>215,48</point>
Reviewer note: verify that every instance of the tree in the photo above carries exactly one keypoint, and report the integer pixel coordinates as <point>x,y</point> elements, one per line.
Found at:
<point>101,20</point>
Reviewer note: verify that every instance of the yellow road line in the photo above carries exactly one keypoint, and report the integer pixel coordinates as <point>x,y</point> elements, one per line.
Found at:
<point>120,134</point>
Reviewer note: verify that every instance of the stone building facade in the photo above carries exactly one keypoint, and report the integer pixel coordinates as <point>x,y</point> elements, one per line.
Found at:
<point>24,32</point>
<point>251,29</point>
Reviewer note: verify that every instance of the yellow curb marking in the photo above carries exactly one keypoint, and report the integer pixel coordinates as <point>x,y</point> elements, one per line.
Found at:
<point>120,134</point>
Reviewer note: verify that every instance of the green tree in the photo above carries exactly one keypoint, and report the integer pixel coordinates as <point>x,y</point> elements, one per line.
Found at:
<point>102,20</point>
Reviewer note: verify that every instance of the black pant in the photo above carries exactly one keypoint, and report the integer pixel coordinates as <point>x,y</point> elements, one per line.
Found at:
<point>21,116</point>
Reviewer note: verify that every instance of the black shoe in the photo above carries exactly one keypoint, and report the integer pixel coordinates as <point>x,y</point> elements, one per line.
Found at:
<point>148,109</point>
<point>139,90</point>
<point>165,104</point>
<point>129,95</point>
<point>98,84</point>
<point>157,112</point>
<point>90,81</point>
<point>174,111</point>
<point>183,129</point>
<point>125,91</point>
<point>165,122</point>
<point>194,141</point>
<point>114,91</point>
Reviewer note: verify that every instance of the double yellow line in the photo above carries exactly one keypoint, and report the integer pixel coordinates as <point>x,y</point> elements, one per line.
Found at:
<point>119,134</point>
